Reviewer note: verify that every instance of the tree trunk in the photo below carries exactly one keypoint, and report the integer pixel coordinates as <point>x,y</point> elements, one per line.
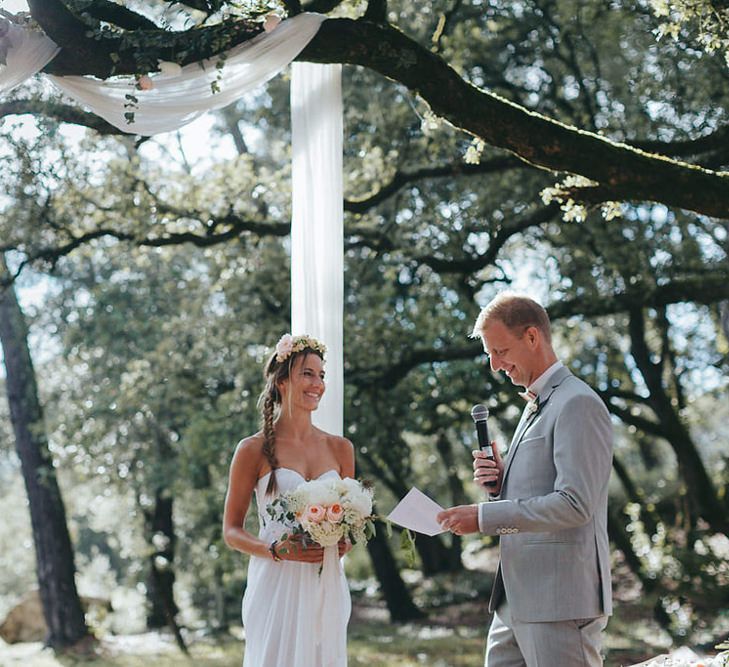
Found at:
<point>222,622</point>
<point>162,609</point>
<point>54,553</point>
<point>619,536</point>
<point>397,597</point>
<point>435,555</point>
<point>161,576</point>
<point>458,497</point>
<point>699,486</point>
<point>648,516</point>
<point>724,318</point>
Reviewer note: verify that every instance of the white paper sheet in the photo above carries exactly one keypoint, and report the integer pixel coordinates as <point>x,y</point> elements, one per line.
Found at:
<point>417,512</point>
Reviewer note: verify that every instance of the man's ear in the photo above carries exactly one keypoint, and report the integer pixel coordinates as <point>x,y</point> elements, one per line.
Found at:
<point>533,336</point>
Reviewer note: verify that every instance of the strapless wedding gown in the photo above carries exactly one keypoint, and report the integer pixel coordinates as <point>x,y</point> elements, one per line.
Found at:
<point>284,602</point>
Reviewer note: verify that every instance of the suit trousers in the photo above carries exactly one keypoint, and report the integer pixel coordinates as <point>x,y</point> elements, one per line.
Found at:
<point>572,643</point>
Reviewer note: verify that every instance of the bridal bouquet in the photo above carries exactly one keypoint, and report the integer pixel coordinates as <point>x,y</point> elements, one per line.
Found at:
<point>326,511</point>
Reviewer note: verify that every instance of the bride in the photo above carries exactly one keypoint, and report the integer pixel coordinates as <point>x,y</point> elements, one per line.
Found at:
<point>284,595</point>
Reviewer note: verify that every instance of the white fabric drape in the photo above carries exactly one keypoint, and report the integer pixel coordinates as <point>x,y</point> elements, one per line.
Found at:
<point>28,52</point>
<point>330,608</point>
<point>178,99</point>
<point>317,220</point>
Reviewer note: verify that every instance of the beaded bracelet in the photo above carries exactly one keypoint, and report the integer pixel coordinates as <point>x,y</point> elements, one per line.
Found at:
<point>274,555</point>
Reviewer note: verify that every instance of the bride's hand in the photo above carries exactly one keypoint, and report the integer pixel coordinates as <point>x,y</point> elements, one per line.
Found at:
<point>345,546</point>
<point>298,548</point>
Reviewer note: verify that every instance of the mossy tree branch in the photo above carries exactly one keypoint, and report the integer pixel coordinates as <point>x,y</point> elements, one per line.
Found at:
<point>623,173</point>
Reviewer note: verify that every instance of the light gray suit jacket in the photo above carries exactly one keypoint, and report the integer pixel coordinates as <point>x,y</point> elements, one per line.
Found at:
<point>552,509</point>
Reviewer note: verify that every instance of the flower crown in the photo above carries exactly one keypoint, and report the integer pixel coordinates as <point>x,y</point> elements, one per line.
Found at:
<point>289,344</point>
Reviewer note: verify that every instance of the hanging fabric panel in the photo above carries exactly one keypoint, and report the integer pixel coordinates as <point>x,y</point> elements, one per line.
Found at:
<point>317,220</point>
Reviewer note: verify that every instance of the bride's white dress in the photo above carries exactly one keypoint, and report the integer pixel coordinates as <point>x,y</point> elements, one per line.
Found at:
<point>284,603</point>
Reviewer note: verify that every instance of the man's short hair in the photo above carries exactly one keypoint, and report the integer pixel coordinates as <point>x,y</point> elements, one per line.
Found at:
<point>517,312</point>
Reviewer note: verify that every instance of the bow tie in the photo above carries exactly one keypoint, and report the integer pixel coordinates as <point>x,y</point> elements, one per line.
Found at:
<point>529,395</point>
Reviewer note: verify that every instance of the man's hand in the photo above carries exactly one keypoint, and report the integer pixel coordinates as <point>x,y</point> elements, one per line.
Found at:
<point>487,471</point>
<point>460,520</point>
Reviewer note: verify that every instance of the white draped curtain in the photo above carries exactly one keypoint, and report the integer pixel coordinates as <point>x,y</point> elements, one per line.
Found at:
<point>316,223</point>
<point>178,99</point>
<point>175,99</point>
<point>28,52</point>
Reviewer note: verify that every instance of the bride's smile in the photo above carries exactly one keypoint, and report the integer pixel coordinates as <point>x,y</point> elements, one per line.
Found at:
<point>306,383</point>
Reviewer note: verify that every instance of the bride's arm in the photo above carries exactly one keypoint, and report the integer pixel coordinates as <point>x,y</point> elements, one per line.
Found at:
<point>242,480</point>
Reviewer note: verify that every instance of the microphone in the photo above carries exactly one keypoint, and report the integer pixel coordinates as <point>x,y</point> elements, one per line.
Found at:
<point>480,414</point>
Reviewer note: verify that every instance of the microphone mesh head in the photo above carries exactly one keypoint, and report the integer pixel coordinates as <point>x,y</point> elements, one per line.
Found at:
<point>479,412</point>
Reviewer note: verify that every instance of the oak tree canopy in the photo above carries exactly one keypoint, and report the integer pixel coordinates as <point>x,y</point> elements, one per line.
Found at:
<point>103,38</point>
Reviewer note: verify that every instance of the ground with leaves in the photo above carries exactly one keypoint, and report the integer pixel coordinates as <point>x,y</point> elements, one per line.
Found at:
<point>452,636</point>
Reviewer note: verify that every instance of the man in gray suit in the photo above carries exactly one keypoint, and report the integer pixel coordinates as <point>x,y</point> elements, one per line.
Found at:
<point>548,501</point>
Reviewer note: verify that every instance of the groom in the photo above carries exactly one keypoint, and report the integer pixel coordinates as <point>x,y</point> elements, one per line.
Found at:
<point>551,595</point>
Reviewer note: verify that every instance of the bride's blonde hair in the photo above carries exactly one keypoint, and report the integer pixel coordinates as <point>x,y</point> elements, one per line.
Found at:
<point>269,402</point>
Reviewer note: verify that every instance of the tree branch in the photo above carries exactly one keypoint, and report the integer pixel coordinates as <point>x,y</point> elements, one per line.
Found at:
<point>376,11</point>
<point>131,52</point>
<point>403,178</point>
<point>390,374</point>
<point>236,228</point>
<point>625,173</point>
<point>706,289</point>
<point>626,416</point>
<point>471,264</point>
<point>60,112</point>
<point>716,141</point>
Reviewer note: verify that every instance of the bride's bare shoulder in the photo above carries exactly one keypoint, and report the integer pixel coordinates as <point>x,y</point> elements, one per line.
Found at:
<point>343,451</point>
<point>249,449</point>
<point>337,442</point>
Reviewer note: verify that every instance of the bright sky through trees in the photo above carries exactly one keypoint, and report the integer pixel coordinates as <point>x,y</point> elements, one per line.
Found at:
<point>14,5</point>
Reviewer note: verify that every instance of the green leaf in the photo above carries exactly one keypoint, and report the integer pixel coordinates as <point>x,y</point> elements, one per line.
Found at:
<point>407,546</point>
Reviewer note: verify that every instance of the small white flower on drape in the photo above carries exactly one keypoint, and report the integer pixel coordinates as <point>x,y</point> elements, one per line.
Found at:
<point>169,68</point>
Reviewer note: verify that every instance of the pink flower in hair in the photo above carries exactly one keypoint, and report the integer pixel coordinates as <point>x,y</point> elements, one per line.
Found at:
<point>284,347</point>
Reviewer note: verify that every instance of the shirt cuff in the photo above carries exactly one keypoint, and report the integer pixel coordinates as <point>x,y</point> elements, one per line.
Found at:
<point>480,521</point>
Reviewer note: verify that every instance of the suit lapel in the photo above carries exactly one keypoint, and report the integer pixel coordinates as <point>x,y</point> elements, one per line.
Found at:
<point>526,419</point>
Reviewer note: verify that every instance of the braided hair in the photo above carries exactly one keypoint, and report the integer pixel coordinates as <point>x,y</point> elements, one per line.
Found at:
<point>269,404</point>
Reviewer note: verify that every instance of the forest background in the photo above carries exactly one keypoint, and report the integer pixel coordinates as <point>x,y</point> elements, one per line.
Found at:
<point>153,275</point>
